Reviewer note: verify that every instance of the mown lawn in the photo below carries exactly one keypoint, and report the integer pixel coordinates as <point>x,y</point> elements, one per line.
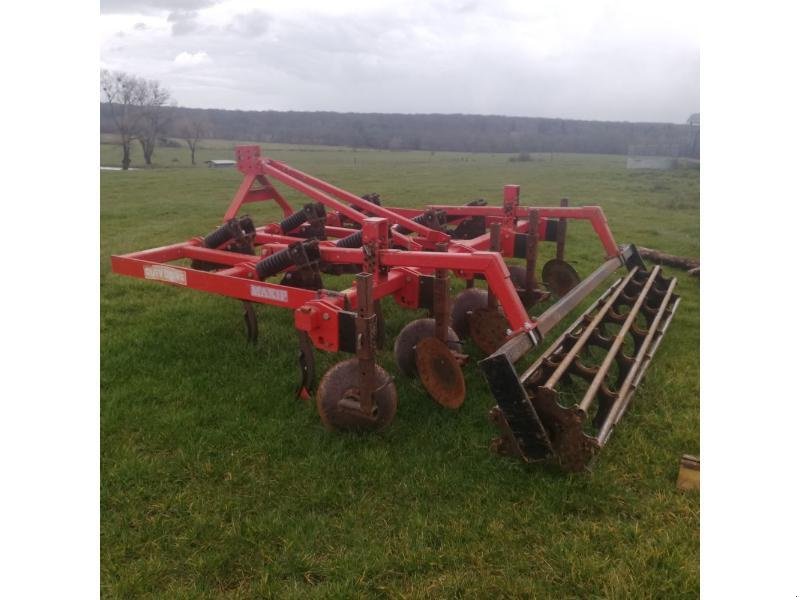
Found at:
<point>218,482</point>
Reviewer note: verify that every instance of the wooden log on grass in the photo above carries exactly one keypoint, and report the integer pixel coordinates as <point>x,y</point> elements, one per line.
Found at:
<point>662,258</point>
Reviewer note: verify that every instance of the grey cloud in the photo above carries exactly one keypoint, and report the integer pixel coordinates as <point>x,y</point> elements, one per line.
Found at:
<point>151,6</point>
<point>430,59</point>
<point>183,21</point>
<point>252,24</point>
<point>140,26</point>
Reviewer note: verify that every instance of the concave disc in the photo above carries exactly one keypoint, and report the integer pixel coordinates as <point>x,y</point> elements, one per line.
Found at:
<point>341,381</point>
<point>559,276</point>
<point>488,328</point>
<point>440,372</point>
<point>410,335</point>
<point>466,302</point>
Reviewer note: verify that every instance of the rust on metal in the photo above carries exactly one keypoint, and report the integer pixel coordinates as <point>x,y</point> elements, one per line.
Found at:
<point>338,401</point>
<point>440,372</point>
<point>467,302</point>
<point>366,341</point>
<point>488,328</point>
<point>530,296</point>
<point>441,299</point>
<point>561,235</point>
<point>608,347</point>
<point>410,335</point>
<point>518,278</point>
<point>559,276</point>
<point>564,406</point>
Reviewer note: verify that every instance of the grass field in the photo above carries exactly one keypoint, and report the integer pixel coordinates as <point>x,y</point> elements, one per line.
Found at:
<point>218,483</point>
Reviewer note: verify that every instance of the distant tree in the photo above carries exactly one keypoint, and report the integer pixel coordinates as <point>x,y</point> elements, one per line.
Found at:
<point>460,133</point>
<point>124,95</point>
<point>155,117</point>
<point>192,130</point>
<point>396,143</point>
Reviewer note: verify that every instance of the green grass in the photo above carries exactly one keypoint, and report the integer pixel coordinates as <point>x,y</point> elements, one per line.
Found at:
<point>218,482</point>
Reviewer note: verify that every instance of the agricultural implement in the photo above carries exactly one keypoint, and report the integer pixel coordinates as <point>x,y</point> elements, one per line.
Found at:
<point>561,408</point>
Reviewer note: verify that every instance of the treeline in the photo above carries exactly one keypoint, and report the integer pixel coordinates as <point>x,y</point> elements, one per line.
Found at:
<point>456,132</point>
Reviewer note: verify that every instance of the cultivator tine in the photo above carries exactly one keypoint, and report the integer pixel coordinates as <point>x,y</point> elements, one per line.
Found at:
<point>307,366</point>
<point>250,321</point>
<point>625,325</point>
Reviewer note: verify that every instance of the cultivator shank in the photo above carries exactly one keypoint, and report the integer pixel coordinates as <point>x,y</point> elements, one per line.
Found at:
<point>561,409</point>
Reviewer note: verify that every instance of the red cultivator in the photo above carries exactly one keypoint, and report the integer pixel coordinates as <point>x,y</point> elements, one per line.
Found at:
<point>409,254</point>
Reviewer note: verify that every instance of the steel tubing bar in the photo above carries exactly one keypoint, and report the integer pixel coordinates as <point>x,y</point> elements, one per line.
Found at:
<point>560,340</point>
<point>649,356</point>
<point>566,362</point>
<point>220,257</point>
<point>616,346</point>
<point>306,183</point>
<point>313,192</point>
<point>553,315</point>
<point>619,404</point>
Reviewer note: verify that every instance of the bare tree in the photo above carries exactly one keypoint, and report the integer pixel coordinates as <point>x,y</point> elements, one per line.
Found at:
<point>193,129</point>
<point>155,118</point>
<point>125,95</point>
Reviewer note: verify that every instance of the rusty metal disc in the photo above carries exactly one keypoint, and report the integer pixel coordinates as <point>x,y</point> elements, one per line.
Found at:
<point>465,303</point>
<point>559,276</point>
<point>440,372</point>
<point>518,278</point>
<point>518,274</point>
<point>408,338</point>
<point>488,328</point>
<point>341,383</point>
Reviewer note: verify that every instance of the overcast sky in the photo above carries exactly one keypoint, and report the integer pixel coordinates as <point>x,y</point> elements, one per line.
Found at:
<point>626,60</point>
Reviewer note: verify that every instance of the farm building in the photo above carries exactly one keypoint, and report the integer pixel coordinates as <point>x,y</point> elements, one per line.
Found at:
<point>215,164</point>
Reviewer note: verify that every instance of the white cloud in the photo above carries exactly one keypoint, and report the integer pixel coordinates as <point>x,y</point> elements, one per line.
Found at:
<point>191,59</point>
<point>589,59</point>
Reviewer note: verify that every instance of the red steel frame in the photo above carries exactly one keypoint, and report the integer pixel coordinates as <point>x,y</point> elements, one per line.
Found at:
<point>396,269</point>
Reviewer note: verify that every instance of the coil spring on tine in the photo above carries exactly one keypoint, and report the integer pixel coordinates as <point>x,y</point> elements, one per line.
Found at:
<point>228,231</point>
<point>293,221</point>
<point>351,241</point>
<point>220,235</point>
<point>274,263</point>
<point>418,219</point>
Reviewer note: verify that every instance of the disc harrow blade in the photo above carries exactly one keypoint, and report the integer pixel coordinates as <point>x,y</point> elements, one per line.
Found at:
<point>559,276</point>
<point>440,372</point>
